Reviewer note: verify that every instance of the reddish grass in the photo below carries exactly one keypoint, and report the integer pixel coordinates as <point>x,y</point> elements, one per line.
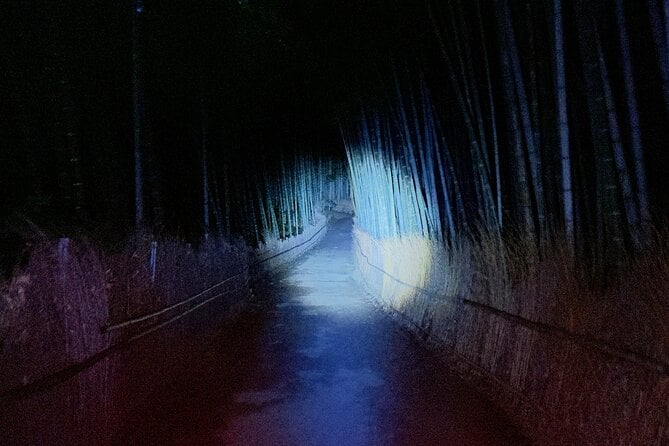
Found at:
<point>181,270</point>
<point>563,392</point>
<point>52,311</point>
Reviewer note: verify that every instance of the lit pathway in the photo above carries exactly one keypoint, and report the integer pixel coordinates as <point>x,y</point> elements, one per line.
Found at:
<point>332,370</point>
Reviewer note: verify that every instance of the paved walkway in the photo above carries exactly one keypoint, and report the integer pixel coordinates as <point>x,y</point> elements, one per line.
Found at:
<point>330,369</point>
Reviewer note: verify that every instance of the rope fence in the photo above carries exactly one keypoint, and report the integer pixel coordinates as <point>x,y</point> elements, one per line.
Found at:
<point>599,345</point>
<point>156,313</point>
<point>51,380</point>
<point>187,300</point>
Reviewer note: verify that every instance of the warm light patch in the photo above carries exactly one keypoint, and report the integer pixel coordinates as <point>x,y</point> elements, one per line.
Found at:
<point>406,264</point>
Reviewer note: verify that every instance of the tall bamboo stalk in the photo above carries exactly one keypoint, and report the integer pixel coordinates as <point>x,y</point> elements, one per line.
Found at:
<point>563,124</point>
<point>533,153</point>
<point>610,243</point>
<point>633,114</point>
<point>205,169</point>
<point>493,118</point>
<point>138,108</point>
<point>619,155</point>
<point>659,31</point>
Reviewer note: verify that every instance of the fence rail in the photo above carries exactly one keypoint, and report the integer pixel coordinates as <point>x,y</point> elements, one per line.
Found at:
<point>132,321</point>
<point>187,300</point>
<point>62,375</point>
<point>599,345</point>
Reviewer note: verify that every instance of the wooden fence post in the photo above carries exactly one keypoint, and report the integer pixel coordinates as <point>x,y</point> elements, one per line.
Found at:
<point>63,253</point>
<point>152,260</point>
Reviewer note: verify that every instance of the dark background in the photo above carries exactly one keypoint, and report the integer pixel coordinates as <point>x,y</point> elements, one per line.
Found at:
<point>269,77</point>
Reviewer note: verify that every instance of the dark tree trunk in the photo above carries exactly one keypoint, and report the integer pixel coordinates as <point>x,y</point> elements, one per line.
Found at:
<point>619,156</point>
<point>635,126</point>
<point>205,169</point>
<point>611,245</point>
<point>658,27</point>
<point>563,125</point>
<point>138,112</point>
<point>533,152</point>
<point>65,127</point>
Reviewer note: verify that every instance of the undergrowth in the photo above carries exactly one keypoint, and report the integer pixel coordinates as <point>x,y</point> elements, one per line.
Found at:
<point>592,367</point>
<point>54,308</point>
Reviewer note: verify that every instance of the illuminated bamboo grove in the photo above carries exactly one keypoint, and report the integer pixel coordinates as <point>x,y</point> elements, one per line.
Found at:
<point>394,180</point>
<point>278,202</point>
<point>523,129</point>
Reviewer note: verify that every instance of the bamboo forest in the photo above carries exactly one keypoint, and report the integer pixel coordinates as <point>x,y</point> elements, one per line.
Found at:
<point>288,222</point>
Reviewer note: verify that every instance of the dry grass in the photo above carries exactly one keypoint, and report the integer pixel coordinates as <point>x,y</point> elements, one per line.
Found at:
<point>52,310</point>
<point>50,318</point>
<point>632,311</point>
<point>181,270</point>
<point>575,389</point>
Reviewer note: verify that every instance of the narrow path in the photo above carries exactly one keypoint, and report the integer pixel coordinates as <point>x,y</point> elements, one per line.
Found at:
<point>330,369</point>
